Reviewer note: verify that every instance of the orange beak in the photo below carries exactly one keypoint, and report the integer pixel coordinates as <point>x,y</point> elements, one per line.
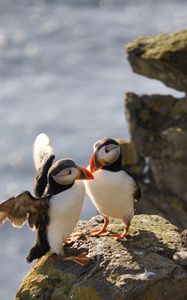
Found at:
<point>85,174</point>
<point>95,164</point>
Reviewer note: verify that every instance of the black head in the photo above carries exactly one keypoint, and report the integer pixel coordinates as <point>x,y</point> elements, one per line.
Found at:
<point>63,174</point>
<point>107,155</point>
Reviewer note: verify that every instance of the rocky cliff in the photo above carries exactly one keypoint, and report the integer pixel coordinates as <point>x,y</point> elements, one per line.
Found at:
<point>139,268</point>
<point>158,125</point>
<point>162,57</point>
<point>151,264</point>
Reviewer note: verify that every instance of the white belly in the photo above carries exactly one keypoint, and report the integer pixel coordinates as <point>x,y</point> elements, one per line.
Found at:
<point>65,210</point>
<point>112,193</point>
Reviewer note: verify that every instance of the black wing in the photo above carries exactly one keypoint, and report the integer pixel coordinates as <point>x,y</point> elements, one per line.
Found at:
<point>24,207</point>
<point>137,193</point>
<point>40,180</point>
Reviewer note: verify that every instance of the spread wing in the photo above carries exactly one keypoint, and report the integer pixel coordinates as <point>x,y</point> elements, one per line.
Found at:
<point>43,156</point>
<point>24,207</point>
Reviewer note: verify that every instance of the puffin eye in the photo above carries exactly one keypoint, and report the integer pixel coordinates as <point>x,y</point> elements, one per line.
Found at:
<point>69,173</point>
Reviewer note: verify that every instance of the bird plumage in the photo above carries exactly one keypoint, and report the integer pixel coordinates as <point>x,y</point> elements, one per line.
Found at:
<point>24,208</point>
<point>57,207</point>
<point>43,156</point>
<point>42,150</point>
<point>65,209</point>
<point>65,204</point>
<point>113,191</point>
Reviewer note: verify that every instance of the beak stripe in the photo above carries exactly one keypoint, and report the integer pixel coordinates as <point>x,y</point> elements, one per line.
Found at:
<point>85,174</point>
<point>95,164</point>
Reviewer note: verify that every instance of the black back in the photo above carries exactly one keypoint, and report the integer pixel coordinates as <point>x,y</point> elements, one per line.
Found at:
<point>41,246</point>
<point>40,181</point>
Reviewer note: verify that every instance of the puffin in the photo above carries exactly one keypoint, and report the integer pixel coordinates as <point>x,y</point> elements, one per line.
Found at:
<point>113,191</point>
<point>55,209</point>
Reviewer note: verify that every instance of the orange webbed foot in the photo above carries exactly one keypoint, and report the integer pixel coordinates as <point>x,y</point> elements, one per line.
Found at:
<point>83,259</point>
<point>100,231</point>
<point>120,237</point>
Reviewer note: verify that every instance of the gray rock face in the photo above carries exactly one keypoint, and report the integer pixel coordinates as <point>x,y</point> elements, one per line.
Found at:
<point>158,124</point>
<point>162,57</point>
<point>180,257</point>
<point>139,268</point>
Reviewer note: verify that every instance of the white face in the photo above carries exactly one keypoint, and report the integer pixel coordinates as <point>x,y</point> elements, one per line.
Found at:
<point>66,176</point>
<point>108,153</point>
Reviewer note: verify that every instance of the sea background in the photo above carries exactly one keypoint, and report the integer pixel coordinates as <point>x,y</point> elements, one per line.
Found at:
<point>63,71</point>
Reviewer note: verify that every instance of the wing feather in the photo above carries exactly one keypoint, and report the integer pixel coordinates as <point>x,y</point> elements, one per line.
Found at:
<point>24,207</point>
<point>42,150</point>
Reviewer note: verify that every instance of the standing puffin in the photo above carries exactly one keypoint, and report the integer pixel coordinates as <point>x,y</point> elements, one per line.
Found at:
<point>113,190</point>
<point>56,210</point>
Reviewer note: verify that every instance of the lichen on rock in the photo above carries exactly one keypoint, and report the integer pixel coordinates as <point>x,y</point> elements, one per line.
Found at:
<point>162,57</point>
<point>139,268</point>
<point>161,137</point>
<point>158,125</point>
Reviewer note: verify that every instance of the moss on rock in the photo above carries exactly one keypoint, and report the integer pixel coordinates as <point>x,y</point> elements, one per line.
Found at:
<point>118,270</point>
<point>162,57</point>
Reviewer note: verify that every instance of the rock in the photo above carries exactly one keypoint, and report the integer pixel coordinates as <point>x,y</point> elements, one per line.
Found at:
<point>130,158</point>
<point>158,126</point>
<point>139,268</point>
<point>180,257</point>
<point>162,57</point>
<point>184,239</point>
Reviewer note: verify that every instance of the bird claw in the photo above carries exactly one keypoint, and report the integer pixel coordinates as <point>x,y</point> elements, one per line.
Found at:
<point>115,236</point>
<point>83,259</point>
<point>98,232</point>
<point>118,237</point>
<point>72,238</point>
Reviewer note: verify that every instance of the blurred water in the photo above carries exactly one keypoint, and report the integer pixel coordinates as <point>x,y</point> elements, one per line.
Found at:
<point>63,71</point>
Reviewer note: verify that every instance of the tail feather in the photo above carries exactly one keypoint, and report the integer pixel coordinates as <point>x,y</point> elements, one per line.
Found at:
<point>40,248</point>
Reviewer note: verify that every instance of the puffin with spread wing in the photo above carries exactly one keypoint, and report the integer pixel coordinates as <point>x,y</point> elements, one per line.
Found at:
<point>55,210</point>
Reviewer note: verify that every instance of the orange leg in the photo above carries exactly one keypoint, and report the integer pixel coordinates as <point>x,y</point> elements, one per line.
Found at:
<point>102,230</point>
<point>120,237</point>
<point>83,259</point>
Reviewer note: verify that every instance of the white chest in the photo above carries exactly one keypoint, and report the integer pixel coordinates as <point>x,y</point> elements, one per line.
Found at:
<point>65,209</point>
<point>112,193</point>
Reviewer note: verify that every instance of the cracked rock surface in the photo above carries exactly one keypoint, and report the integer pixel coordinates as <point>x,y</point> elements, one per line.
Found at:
<point>158,125</point>
<point>139,268</point>
<point>162,57</point>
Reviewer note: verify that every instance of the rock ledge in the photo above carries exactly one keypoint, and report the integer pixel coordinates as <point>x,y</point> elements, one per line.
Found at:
<point>162,57</point>
<point>139,268</point>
